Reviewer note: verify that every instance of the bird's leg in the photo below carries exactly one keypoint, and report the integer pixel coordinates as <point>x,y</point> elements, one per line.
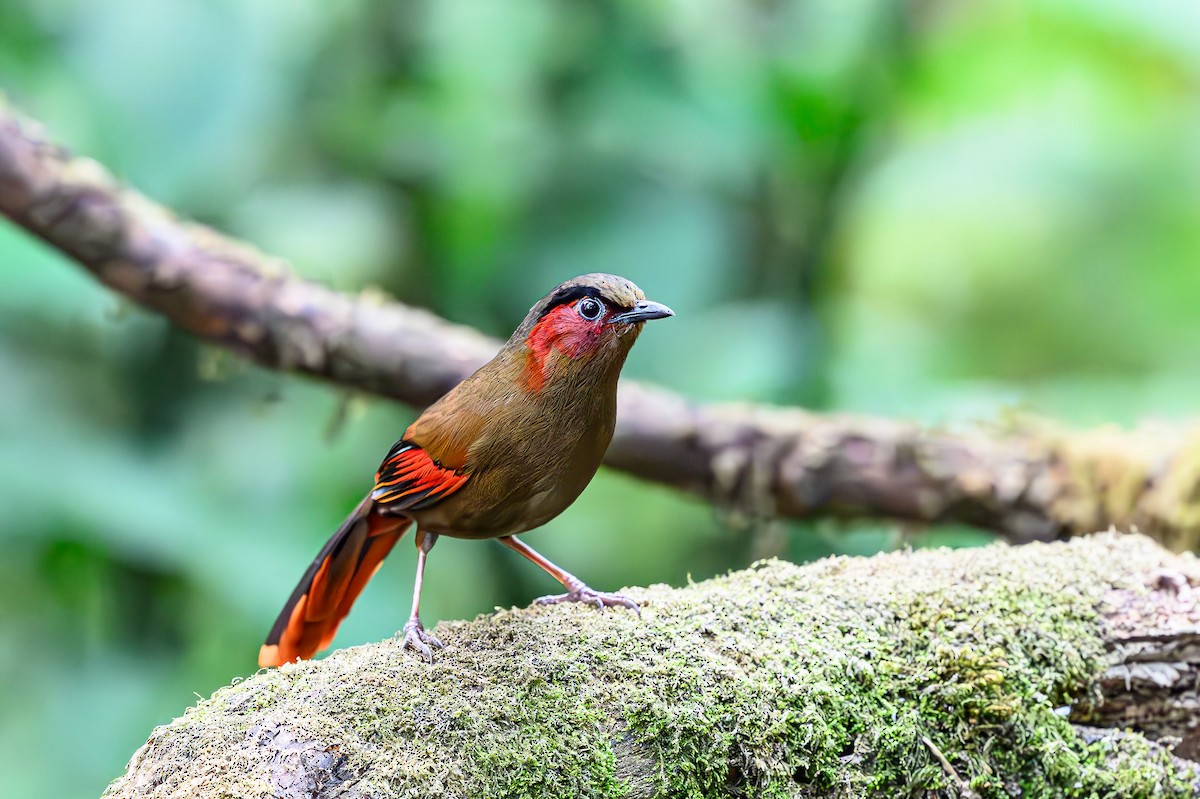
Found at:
<point>577,590</point>
<point>414,632</point>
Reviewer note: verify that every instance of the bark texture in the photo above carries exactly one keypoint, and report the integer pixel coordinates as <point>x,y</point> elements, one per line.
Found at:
<point>1026,481</point>
<point>990,672</point>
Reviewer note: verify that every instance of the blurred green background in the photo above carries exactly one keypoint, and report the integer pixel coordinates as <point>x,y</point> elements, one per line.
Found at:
<point>939,211</point>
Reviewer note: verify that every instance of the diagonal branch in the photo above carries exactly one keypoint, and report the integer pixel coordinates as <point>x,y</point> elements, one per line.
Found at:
<point>1029,482</point>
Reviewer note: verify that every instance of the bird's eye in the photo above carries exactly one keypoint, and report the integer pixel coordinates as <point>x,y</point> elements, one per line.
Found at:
<point>590,308</point>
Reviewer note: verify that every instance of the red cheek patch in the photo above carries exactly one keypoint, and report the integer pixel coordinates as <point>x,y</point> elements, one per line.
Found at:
<point>561,329</point>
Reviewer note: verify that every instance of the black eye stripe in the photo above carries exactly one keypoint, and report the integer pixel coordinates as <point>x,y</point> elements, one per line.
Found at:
<point>570,294</point>
<point>567,296</point>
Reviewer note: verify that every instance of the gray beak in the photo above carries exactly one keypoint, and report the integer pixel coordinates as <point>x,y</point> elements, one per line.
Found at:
<point>644,311</point>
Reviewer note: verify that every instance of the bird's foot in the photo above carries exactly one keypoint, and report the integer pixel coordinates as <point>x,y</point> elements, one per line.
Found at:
<point>600,599</point>
<point>420,641</point>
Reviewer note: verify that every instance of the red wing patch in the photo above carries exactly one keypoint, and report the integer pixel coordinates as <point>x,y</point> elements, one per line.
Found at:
<point>408,479</point>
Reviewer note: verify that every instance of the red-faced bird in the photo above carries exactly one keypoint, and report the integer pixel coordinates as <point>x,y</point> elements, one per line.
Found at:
<point>503,452</point>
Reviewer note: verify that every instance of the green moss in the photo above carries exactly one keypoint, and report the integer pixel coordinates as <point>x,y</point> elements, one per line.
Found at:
<point>1125,766</point>
<point>838,686</point>
<point>780,681</point>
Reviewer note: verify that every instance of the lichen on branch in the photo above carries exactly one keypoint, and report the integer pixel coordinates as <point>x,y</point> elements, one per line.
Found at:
<point>830,679</point>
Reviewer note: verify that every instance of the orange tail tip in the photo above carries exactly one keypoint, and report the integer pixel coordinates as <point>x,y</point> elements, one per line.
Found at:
<point>269,657</point>
<point>310,618</point>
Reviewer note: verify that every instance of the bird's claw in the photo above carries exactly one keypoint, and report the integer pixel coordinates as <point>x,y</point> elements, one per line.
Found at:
<point>419,640</point>
<point>600,599</point>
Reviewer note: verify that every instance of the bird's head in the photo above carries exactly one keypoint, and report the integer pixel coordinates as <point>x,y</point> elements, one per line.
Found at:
<point>583,326</point>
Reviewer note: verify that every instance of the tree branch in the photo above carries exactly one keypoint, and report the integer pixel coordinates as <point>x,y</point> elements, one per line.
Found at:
<point>946,673</point>
<point>1031,482</point>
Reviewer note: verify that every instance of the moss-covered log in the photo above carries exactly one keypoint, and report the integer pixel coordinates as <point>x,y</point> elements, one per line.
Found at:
<point>970,672</point>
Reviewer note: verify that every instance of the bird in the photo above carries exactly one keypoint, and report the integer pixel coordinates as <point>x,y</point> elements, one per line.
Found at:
<point>503,452</point>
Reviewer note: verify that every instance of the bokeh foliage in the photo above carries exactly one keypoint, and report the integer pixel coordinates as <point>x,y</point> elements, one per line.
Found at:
<point>926,209</point>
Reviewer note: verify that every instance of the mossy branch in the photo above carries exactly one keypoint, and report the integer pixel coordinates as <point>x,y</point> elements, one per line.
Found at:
<point>1026,482</point>
<point>908,674</point>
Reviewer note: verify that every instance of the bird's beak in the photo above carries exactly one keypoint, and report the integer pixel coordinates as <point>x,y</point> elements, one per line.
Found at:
<point>642,312</point>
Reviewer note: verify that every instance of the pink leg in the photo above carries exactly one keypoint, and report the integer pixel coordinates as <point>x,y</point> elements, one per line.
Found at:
<point>577,590</point>
<point>415,636</point>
